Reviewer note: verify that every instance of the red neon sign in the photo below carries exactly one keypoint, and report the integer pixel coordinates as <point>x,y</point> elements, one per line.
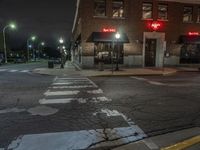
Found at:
<point>108,30</point>
<point>193,33</point>
<point>155,25</point>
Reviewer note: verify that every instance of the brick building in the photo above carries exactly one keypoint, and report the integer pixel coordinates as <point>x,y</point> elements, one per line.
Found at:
<point>153,33</point>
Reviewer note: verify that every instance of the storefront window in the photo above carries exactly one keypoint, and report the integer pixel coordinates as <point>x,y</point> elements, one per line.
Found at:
<point>100,8</point>
<point>187,14</point>
<point>118,8</point>
<point>147,11</point>
<point>162,11</point>
<point>107,53</point>
<point>190,54</point>
<point>198,15</point>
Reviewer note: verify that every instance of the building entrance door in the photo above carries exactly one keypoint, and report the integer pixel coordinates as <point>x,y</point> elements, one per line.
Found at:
<point>150,52</point>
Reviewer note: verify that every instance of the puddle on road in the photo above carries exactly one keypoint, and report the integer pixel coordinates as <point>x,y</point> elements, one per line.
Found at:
<point>42,111</point>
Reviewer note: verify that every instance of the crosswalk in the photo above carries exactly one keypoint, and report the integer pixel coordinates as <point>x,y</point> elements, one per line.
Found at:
<point>14,71</point>
<point>83,91</point>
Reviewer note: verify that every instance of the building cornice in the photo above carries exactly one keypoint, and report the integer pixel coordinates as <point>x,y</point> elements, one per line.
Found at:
<point>76,15</point>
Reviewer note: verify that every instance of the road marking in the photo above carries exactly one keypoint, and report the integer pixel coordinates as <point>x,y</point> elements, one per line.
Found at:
<point>99,91</point>
<point>137,78</point>
<point>84,139</point>
<point>72,87</point>
<point>24,71</point>
<point>69,100</point>
<point>59,93</point>
<point>12,110</point>
<point>185,144</point>
<point>156,83</point>
<point>12,70</point>
<point>92,82</point>
<point>150,144</point>
<point>1,70</point>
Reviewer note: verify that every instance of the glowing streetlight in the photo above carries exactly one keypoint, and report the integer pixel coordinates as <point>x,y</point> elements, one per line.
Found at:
<point>61,41</point>
<point>12,26</point>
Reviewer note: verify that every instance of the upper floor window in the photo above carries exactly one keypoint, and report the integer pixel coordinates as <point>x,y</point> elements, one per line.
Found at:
<point>187,14</point>
<point>147,12</point>
<point>100,7</point>
<point>117,8</point>
<point>162,12</point>
<point>198,15</point>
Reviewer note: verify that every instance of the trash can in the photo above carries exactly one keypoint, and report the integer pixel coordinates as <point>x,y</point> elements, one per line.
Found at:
<point>50,64</point>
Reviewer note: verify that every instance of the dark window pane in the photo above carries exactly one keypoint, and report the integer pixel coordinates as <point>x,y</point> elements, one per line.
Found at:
<point>100,7</point>
<point>198,16</point>
<point>187,14</point>
<point>118,8</point>
<point>147,11</point>
<point>162,12</point>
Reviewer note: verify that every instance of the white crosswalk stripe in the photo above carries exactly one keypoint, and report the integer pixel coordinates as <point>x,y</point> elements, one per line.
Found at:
<point>14,71</point>
<point>82,91</point>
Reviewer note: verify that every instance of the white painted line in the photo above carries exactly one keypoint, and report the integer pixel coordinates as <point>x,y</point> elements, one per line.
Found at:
<point>62,83</point>
<point>58,93</point>
<point>100,99</point>
<point>76,139</point>
<point>12,70</point>
<point>92,83</point>
<point>24,71</point>
<point>1,70</point>
<point>72,87</point>
<point>140,79</point>
<point>112,113</point>
<point>156,83</point>
<point>12,110</point>
<point>72,78</point>
<point>150,144</point>
<point>56,101</point>
<point>99,91</point>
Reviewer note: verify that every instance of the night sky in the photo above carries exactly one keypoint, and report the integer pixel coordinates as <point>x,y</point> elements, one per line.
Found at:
<point>48,19</point>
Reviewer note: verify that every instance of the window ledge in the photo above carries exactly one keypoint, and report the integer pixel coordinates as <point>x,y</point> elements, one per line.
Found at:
<point>147,19</point>
<point>118,17</point>
<point>101,17</point>
<point>189,22</point>
<point>163,20</point>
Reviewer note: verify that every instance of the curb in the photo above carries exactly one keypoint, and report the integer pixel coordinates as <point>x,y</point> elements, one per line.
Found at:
<point>184,144</point>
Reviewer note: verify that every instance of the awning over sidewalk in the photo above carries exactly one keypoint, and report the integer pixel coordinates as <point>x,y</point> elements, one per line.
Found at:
<point>107,37</point>
<point>186,39</point>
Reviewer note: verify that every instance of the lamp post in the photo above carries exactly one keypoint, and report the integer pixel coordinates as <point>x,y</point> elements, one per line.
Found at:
<point>12,26</point>
<point>61,41</point>
<point>42,44</point>
<point>32,38</point>
<point>117,36</point>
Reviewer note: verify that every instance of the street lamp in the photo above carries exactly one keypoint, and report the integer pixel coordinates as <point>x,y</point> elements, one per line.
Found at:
<point>12,26</point>
<point>61,41</point>
<point>117,36</point>
<point>32,38</point>
<point>42,44</point>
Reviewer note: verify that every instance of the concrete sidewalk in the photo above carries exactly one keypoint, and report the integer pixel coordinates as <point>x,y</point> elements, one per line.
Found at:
<point>71,69</point>
<point>188,139</point>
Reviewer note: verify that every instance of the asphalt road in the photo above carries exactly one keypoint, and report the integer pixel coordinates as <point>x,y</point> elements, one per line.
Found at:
<point>74,112</point>
<point>157,104</point>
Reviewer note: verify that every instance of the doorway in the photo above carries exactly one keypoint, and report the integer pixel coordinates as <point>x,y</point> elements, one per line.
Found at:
<point>150,52</point>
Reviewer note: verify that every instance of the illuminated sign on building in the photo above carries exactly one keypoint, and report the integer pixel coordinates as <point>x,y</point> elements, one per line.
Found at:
<point>193,33</point>
<point>154,25</point>
<point>109,30</point>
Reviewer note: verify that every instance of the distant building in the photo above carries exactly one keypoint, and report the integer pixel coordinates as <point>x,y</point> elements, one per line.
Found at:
<point>153,32</point>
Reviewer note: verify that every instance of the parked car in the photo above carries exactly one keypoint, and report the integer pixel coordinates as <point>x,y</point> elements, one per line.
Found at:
<point>19,60</point>
<point>57,60</point>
